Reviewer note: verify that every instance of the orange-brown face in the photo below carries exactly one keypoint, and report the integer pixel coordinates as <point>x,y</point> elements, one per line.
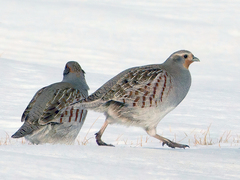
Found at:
<point>189,58</point>
<point>73,67</point>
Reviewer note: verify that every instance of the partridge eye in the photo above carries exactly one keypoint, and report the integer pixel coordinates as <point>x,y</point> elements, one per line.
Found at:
<point>185,56</point>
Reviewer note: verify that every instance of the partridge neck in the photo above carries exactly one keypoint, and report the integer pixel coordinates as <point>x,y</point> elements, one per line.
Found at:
<point>77,82</point>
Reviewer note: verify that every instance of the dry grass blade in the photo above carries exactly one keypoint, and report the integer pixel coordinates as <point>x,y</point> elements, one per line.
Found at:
<point>7,140</point>
<point>227,137</point>
<point>85,140</point>
<point>206,140</point>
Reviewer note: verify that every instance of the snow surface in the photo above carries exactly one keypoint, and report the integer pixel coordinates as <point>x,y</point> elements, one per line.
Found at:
<point>38,37</point>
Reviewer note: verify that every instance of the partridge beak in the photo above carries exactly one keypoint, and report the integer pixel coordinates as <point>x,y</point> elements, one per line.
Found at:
<point>195,59</point>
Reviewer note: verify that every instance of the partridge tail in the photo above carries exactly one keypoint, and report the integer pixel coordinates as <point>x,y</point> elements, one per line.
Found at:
<point>86,104</point>
<point>24,130</point>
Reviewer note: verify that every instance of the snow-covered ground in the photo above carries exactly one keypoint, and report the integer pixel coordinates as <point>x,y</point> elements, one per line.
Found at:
<point>38,37</point>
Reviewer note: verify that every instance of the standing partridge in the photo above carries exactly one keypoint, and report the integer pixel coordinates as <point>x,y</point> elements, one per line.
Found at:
<point>46,119</point>
<point>142,96</point>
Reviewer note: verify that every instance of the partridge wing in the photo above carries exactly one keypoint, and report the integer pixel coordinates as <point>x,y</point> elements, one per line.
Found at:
<point>31,104</point>
<point>141,87</point>
<point>57,110</point>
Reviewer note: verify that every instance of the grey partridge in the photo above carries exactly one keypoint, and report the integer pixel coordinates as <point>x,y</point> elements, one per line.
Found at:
<point>46,119</point>
<point>142,96</point>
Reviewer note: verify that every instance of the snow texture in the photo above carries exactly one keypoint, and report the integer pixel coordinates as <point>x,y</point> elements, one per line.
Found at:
<point>106,37</point>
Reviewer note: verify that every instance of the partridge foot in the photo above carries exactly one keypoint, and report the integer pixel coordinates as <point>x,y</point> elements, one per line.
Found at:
<point>100,142</point>
<point>174,145</point>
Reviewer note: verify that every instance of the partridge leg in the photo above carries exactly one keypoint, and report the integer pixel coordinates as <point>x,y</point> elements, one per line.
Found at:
<point>99,135</point>
<point>166,141</point>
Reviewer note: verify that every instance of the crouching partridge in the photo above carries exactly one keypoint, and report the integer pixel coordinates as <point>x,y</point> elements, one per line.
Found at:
<point>46,119</point>
<point>142,96</point>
